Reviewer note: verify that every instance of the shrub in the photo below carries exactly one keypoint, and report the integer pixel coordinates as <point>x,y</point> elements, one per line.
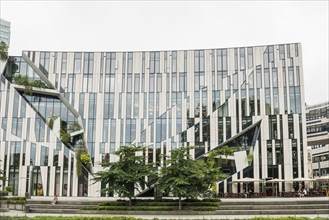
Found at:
<point>21,198</point>
<point>38,83</point>
<point>22,80</point>
<point>74,127</point>
<point>130,208</point>
<point>51,123</point>
<point>205,208</point>
<point>65,137</point>
<point>9,188</point>
<point>85,158</point>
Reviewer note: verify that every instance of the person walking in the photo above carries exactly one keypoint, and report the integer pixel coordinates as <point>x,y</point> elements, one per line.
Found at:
<point>55,200</point>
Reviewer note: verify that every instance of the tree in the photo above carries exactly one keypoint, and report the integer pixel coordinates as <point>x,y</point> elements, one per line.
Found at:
<point>128,173</point>
<point>186,177</point>
<point>214,165</point>
<point>3,51</point>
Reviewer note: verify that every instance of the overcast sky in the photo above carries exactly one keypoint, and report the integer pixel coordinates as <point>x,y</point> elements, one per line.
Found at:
<point>169,25</point>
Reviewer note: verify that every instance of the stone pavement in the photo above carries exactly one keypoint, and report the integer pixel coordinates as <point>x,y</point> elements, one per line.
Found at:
<point>14,213</point>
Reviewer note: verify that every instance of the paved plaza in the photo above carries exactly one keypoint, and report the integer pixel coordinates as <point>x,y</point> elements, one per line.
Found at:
<point>14,213</point>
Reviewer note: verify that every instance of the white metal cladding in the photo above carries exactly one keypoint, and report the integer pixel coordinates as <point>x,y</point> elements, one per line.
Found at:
<point>157,99</point>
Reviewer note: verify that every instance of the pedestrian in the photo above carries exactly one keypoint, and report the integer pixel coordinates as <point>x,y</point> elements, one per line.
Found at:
<point>55,200</point>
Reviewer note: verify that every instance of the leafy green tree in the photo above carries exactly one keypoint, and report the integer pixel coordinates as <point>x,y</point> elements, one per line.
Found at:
<point>3,51</point>
<point>128,173</point>
<point>213,162</point>
<point>186,177</point>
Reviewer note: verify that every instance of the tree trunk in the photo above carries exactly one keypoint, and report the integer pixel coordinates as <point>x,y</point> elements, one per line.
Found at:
<point>179,203</point>
<point>130,203</point>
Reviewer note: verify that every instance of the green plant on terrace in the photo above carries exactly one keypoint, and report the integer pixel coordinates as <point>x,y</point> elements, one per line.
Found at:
<point>78,152</point>
<point>38,83</point>
<point>28,84</point>
<point>74,127</point>
<point>85,158</point>
<point>65,137</point>
<point>51,121</point>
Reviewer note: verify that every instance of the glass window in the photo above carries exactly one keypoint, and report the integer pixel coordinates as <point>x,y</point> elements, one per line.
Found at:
<point>288,51</point>
<point>236,59</point>
<point>159,83</point>
<point>298,100</point>
<point>242,59</point>
<point>111,111</point>
<point>292,99</point>
<point>15,104</point>
<point>39,129</point>
<point>128,105</point>
<point>151,106</point>
<point>33,153</point>
<point>267,101</point>
<point>102,148</point>
<point>275,77</point>
<point>63,81</point>
<point>174,82</point>
<point>182,82</point>
<point>110,63</point>
<point>92,105</point>
<point>64,62</point>
<point>276,101</point>
<point>284,76</point>
<point>113,130</point>
<point>296,50</point>
<point>196,104</point>
<point>77,62</point>
<point>157,62</point>
<point>71,83</point>
<point>136,83</point>
<point>136,105</point>
<point>124,63</point>
<point>259,77</point>
<point>251,80</point>
<point>130,62</point>
<point>106,105</point>
<point>44,62</point>
<point>271,53</point>
<point>152,83</point>
<point>267,78</point>
<point>297,76</point>
<point>235,81</point>
<point>81,104</point>
<point>250,57</point>
<point>44,156</point>
<point>196,82</point>
<point>129,82</point>
<point>281,52</point>
<point>88,64</point>
<point>105,131</point>
<point>291,76</point>
<point>143,62</point>
<point>174,61</point>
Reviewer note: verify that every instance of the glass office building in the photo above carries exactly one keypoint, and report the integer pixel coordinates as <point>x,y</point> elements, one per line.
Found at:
<point>5,31</point>
<point>248,98</point>
<point>317,127</point>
